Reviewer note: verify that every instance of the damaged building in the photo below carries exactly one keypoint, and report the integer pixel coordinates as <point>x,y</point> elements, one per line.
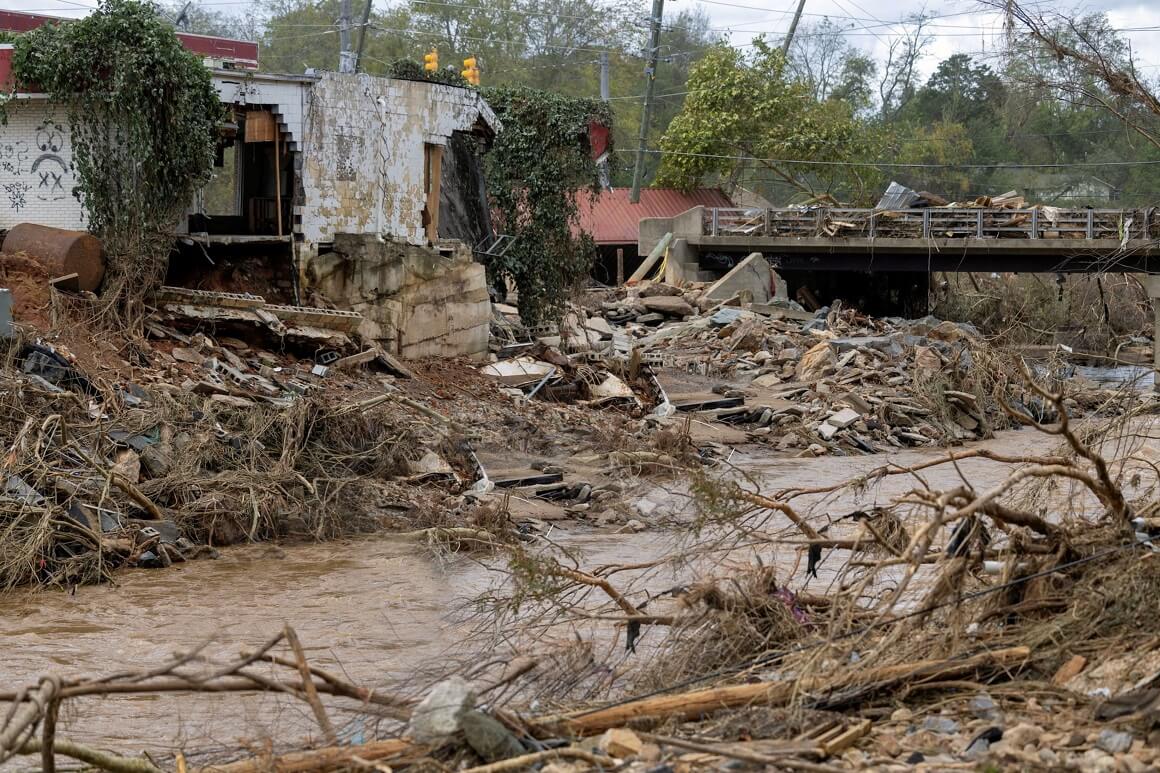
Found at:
<point>355,192</point>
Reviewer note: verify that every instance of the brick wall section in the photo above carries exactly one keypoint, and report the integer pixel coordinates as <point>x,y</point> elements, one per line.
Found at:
<point>36,174</point>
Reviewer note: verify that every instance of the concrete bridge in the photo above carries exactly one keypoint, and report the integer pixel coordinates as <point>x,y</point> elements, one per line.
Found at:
<point>831,241</point>
<point>1048,239</point>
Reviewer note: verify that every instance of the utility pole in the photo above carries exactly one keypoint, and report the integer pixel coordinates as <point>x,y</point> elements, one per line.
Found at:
<point>362,35</point>
<point>650,76</point>
<point>605,89</point>
<point>797,15</point>
<point>605,95</point>
<point>345,55</point>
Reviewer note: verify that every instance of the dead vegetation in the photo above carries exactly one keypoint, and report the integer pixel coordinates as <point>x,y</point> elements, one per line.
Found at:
<point>787,629</point>
<point>1102,314</point>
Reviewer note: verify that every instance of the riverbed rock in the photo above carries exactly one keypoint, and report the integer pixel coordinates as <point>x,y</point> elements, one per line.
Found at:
<point>438,715</point>
<point>488,737</point>
<point>1114,741</point>
<point>620,742</point>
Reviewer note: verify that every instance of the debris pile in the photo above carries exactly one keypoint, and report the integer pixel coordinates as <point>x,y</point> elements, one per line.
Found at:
<point>834,381</point>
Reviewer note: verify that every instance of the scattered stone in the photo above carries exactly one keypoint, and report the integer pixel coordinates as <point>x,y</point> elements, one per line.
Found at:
<point>438,715</point>
<point>657,289</point>
<point>944,725</point>
<point>901,715</point>
<point>1114,741</point>
<point>1022,734</point>
<point>668,305</point>
<point>633,526</point>
<point>814,363</point>
<point>620,742</point>
<point>983,706</point>
<point>844,418</point>
<point>488,737</point>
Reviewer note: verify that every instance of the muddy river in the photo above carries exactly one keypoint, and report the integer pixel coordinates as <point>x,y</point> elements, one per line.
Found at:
<point>373,608</point>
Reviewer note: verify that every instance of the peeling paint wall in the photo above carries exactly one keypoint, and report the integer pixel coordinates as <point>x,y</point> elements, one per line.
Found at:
<point>416,301</point>
<point>363,157</point>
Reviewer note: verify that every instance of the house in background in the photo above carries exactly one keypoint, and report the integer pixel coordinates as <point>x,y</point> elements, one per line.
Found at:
<point>614,221</point>
<point>362,192</point>
<point>1069,190</point>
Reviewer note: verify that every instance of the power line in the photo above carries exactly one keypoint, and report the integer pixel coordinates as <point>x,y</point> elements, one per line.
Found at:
<point>895,165</point>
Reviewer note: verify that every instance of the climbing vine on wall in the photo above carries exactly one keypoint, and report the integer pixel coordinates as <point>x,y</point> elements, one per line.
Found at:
<point>142,112</point>
<point>410,70</point>
<point>538,168</point>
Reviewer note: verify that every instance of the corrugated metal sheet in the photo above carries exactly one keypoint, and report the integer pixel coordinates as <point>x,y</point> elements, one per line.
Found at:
<point>611,219</point>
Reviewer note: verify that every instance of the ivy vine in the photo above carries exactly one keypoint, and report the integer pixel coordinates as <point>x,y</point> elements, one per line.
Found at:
<point>143,113</point>
<point>538,168</point>
<point>410,70</point>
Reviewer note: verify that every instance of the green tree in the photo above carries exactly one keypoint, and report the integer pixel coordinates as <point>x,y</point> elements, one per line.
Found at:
<point>744,119</point>
<point>959,91</point>
<point>143,113</point>
<point>538,167</point>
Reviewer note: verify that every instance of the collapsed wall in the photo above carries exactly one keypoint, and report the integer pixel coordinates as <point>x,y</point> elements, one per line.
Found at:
<point>416,301</point>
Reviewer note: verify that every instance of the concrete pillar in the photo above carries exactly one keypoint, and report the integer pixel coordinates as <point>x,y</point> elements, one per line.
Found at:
<point>1152,285</point>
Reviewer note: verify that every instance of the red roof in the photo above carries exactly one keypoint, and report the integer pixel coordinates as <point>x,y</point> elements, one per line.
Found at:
<point>243,53</point>
<point>611,219</point>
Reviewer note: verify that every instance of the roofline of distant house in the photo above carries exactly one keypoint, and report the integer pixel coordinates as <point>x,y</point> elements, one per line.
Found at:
<point>242,53</point>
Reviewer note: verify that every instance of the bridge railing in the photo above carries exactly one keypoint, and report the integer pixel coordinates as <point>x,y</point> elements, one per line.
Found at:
<point>941,222</point>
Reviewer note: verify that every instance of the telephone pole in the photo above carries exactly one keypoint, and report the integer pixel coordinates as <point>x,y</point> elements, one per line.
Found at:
<point>605,95</point>
<point>345,54</point>
<point>797,15</point>
<point>362,36</point>
<point>605,89</point>
<point>650,75</point>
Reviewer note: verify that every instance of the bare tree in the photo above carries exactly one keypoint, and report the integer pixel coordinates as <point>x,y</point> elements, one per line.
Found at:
<point>818,55</point>
<point>1091,66</point>
<point>897,84</point>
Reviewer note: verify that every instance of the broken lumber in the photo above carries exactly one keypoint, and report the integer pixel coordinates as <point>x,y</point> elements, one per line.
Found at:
<point>700,703</point>
<point>317,760</point>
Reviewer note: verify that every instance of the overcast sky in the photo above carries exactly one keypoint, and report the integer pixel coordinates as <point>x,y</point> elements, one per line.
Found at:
<point>960,25</point>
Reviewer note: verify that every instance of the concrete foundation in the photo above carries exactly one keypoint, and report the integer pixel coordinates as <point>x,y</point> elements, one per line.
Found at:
<point>417,301</point>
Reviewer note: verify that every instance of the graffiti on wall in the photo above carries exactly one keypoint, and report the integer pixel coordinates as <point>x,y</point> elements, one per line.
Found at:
<point>34,168</point>
<point>49,170</point>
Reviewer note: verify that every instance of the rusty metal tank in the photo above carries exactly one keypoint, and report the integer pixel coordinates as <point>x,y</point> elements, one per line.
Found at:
<point>61,252</point>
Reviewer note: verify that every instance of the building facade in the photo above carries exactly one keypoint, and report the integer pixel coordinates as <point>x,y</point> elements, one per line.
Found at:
<point>338,177</point>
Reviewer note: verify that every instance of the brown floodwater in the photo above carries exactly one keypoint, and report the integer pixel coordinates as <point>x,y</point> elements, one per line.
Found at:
<point>376,609</point>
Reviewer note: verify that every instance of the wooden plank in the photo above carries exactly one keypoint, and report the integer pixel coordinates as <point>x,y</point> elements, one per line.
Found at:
<point>701,703</point>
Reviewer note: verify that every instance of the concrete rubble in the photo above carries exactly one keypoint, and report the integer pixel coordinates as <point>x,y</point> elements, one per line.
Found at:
<point>832,382</point>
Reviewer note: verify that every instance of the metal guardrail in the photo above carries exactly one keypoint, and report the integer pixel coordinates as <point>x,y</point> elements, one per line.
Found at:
<point>936,223</point>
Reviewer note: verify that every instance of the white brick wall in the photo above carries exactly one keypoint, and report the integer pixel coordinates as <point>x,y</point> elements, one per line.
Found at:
<point>36,175</point>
